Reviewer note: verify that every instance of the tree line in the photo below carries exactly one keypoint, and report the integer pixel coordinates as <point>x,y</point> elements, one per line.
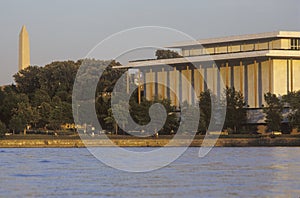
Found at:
<point>42,98</point>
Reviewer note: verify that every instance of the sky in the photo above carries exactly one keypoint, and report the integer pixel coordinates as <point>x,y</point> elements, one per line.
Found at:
<point>69,29</point>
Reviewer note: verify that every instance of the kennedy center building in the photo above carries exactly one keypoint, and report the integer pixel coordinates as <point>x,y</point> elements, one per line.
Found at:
<point>253,64</point>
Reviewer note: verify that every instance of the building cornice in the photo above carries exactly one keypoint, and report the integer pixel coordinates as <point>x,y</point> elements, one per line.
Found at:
<point>216,57</point>
<point>228,39</point>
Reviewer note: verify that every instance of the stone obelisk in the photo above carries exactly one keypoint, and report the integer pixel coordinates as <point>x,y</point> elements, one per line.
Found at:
<point>24,49</point>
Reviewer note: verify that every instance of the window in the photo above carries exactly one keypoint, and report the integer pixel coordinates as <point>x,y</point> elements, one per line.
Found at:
<point>295,44</point>
<point>195,52</point>
<point>248,47</point>
<point>186,52</point>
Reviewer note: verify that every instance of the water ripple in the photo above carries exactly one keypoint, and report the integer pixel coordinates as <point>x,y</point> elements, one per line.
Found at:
<point>225,172</point>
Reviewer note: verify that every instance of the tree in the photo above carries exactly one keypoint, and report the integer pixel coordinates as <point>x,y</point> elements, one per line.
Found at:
<point>44,111</point>
<point>109,77</point>
<point>205,110</point>
<point>235,112</point>
<point>46,93</point>
<point>55,118</point>
<point>140,113</point>
<point>34,117</point>
<point>67,114</point>
<point>23,116</point>
<point>39,97</point>
<point>10,103</point>
<point>207,101</point>
<point>17,123</point>
<point>188,123</point>
<point>102,108</point>
<point>64,96</point>
<point>273,111</point>
<point>165,54</point>
<point>58,76</point>
<point>2,129</point>
<point>122,115</point>
<point>60,113</point>
<point>172,119</point>
<point>292,99</point>
<point>2,96</point>
<point>28,80</point>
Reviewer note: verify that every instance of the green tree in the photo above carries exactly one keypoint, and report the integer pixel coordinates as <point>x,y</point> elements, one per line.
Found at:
<point>122,116</point>
<point>28,80</point>
<point>58,76</point>
<point>187,119</point>
<point>44,111</point>
<point>207,100</point>
<point>34,117</point>
<point>109,78</point>
<point>10,103</point>
<point>60,113</point>
<point>2,97</point>
<point>110,121</point>
<point>205,110</point>
<point>39,97</point>
<point>87,76</point>
<point>67,114</point>
<point>140,113</point>
<point>64,96</point>
<point>55,118</point>
<point>172,119</point>
<point>17,123</point>
<point>273,111</point>
<point>235,112</point>
<point>165,54</point>
<point>48,92</point>
<point>25,115</point>
<point>102,107</point>
<point>293,98</point>
<point>2,129</point>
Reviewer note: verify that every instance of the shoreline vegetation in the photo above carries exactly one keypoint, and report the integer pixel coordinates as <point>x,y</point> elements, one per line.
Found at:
<point>42,100</point>
<point>49,141</point>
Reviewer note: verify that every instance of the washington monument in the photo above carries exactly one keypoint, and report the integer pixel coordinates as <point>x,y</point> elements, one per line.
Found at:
<point>24,50</point>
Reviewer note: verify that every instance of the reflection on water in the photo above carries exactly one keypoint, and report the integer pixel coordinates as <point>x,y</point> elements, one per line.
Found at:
<point>225,172</point>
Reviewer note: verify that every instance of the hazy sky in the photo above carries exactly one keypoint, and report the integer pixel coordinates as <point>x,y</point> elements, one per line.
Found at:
<point>69,29</point>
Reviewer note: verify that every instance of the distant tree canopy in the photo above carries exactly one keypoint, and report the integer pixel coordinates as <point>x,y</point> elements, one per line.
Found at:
<point>54,78</point>
<point>165,54</point>
<point>42,96</point>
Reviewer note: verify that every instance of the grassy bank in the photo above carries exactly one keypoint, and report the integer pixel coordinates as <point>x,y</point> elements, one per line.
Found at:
<point>47,141</point>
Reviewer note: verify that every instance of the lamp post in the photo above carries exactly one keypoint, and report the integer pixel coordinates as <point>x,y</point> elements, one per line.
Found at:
<point>77,116</point>
<point>139,87</point>
<point>137,82</point>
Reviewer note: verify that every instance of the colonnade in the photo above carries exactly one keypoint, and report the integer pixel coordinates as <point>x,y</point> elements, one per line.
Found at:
<point>252,77</point>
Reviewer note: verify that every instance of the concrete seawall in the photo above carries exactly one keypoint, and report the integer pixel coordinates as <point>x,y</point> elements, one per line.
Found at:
<point>70,143</point>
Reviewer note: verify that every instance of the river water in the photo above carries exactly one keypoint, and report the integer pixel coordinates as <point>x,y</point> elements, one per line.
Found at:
<point>224,172</point>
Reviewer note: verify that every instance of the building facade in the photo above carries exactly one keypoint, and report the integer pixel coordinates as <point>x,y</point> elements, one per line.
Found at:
<point>253,64</point>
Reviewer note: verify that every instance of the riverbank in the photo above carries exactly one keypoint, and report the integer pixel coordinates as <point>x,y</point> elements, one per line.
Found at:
<point>125,141</point>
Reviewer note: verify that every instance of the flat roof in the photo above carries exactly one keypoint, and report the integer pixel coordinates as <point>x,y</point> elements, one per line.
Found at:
<point>215,57</point>
<point>277,34</point>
